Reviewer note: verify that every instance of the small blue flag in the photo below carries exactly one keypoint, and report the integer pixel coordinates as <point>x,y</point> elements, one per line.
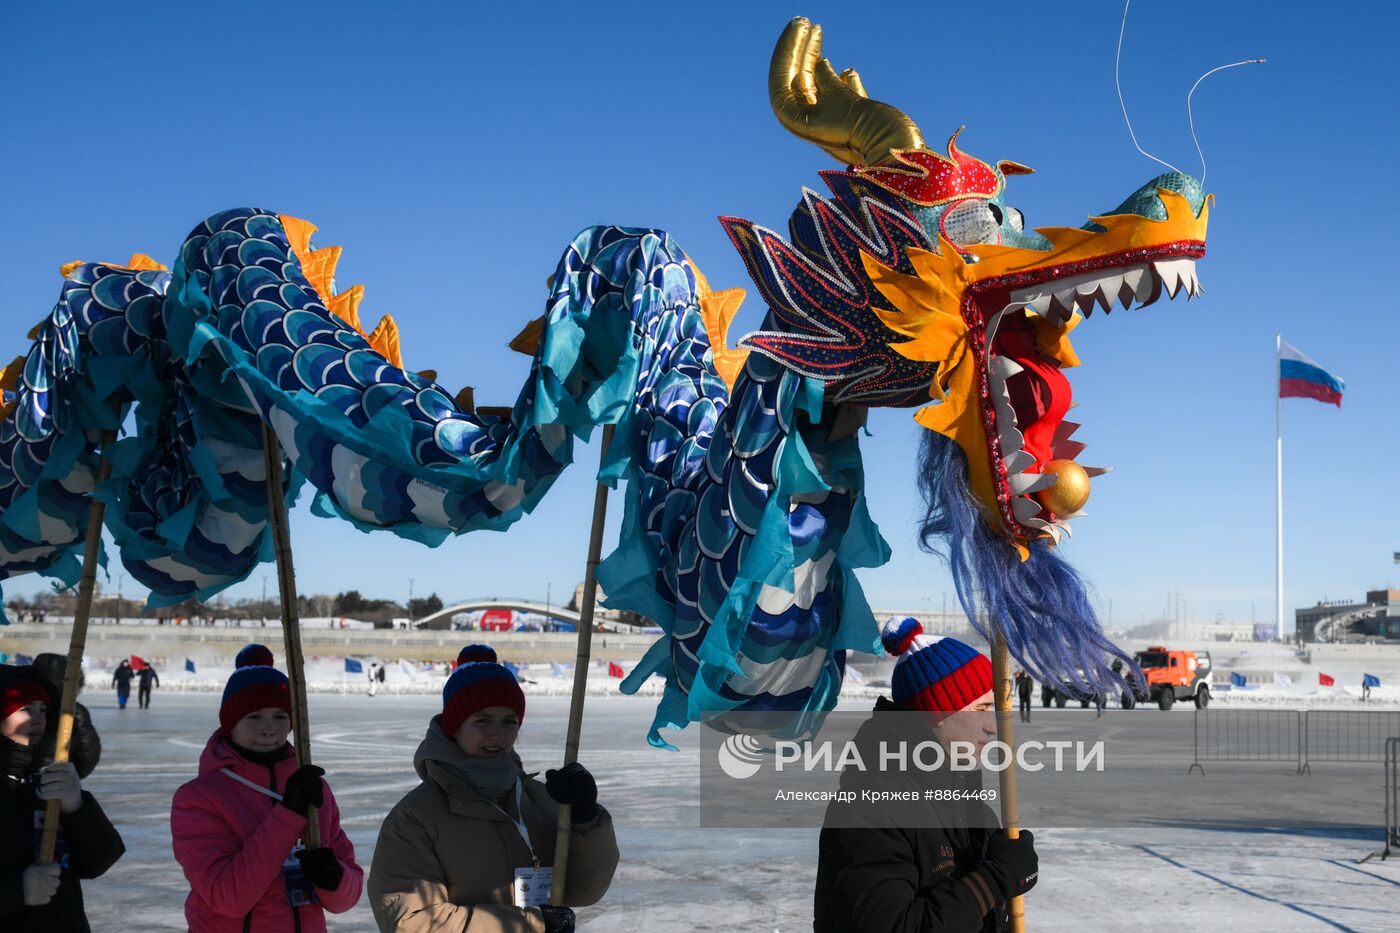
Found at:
<point>189,665</point>
<point>512,668</point>
<point>1236,680</point>
<point>353,667</point>
<point>1370,680</point>
<point>23,659</point>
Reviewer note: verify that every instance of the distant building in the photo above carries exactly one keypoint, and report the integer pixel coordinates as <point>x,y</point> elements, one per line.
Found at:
<point>1377,619</point>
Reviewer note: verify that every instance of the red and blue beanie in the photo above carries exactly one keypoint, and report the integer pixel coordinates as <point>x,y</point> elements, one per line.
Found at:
<point>253,655</point>
<point>931,673</point>
<point>250,689</point>
<point>21,689</point>
<point>471,654</point>
<point>475,686</point>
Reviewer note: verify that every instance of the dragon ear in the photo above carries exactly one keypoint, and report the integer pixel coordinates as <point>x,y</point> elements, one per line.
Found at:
<point>1007,167</point>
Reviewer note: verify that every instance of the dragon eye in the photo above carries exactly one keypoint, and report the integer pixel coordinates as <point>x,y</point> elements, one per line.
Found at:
<point>972,221</point>
<point>1016,219</point>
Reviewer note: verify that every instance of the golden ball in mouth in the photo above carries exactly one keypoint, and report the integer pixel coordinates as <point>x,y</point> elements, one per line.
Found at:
<point>1071,489</point>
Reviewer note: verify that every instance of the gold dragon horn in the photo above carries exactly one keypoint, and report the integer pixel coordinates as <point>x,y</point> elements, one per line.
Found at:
<point>816,104</point>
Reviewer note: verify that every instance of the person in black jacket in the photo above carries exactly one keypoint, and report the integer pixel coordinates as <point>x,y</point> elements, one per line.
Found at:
<point>85,748</point>
<point>1024,688</point>
<point>147,678</point>
<point>936,867</point>
<point>121,679</point>
<point>43,898</point>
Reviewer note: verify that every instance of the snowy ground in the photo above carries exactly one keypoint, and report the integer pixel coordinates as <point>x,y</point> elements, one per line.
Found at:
<point>678,877</point>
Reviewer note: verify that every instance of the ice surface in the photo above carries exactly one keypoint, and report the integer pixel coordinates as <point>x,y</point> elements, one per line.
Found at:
<point>677,877</point>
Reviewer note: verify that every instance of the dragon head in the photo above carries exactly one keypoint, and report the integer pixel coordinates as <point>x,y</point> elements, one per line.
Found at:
<point>917,281</point>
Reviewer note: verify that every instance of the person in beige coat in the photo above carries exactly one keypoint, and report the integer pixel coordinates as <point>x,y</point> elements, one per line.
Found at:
<point>469,849</point>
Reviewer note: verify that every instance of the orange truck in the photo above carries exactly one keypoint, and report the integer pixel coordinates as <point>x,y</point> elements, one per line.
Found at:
<point>1171,676</point>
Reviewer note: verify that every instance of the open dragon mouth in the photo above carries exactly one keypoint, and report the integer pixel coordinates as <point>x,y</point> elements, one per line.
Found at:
<point>1039,484</point>
<point>994,319</point>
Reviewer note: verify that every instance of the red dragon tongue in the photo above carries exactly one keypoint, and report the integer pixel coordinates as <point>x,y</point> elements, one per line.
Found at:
<point>1039,394</point>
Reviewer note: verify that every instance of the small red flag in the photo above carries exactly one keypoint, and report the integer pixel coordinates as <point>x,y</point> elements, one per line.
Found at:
<point>1326,680</point>
<point>615,670</point>
<point>137,663</point>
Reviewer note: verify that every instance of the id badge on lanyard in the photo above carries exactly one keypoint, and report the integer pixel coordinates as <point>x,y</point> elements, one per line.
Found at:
<point>300,890</point>
<point>531,886</point>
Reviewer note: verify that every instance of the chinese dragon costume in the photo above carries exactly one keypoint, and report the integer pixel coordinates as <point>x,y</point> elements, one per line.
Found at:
<point>912,284</point>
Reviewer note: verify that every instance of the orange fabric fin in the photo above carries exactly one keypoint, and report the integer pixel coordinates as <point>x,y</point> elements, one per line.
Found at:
<point>385,340</point>
<point>466,399</point>
<point>346,306</point>
<point>139,262</point>
<point>717,310</point>
<point>298,233</point>
<point>319,268</point>
<point>528,340</point>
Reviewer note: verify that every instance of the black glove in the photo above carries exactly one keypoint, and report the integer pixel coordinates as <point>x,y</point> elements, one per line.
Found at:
<point>572,784</point>
<point>304,789</point>
<point>321,868</point>
<point>557,919</point>
<point>1011,864</point>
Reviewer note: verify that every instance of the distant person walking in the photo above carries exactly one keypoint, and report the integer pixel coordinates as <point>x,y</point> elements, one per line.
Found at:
<point>373,679</point>
<point>121,679</point>
<point>1024,686</point>
<point>147,679</point>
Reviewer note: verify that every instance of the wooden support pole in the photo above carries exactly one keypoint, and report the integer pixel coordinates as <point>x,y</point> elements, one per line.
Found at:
<point>1010,806</point>
<point>77,643</point>
<point>581,664</point>
<point>291,623</point>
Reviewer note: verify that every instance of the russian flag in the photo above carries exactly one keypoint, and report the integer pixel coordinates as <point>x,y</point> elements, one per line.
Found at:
<point>1300,377</point>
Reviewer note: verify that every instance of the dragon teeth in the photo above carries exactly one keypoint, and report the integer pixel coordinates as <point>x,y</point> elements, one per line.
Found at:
<point>1086,293</point>
<point>1023,484</point>
<point>1018,461</point>
<point>1026,510</point>
<point>1006,367</point>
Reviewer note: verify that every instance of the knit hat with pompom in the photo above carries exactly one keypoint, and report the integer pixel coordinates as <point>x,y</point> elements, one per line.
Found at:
<point>933,673</point>
<point>471,654</point>
<point>254,655</point>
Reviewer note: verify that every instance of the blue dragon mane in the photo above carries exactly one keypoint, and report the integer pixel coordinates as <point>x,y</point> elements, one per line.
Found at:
<point>1040,603</point>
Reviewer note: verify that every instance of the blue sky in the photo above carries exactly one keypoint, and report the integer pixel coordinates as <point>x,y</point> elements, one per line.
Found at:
<point>453,149</point>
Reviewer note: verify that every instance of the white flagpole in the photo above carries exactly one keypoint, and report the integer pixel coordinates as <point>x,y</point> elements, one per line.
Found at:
<point>1278,438</point>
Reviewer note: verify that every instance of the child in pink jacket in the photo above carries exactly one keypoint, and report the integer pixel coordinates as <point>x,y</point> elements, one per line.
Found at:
<point>237,827</point>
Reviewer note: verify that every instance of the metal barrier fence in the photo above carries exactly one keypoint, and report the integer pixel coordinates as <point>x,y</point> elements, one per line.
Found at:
<point>1299,736</point>
<point>1392,796</point>
<point>1348,735</point>
<point>1248,735</point>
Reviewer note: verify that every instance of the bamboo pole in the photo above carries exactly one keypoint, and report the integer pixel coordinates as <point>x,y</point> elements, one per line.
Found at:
<point>1010,806</point>
<point>77,642</point>
<point>291,623</point>
<point>581,663</point>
